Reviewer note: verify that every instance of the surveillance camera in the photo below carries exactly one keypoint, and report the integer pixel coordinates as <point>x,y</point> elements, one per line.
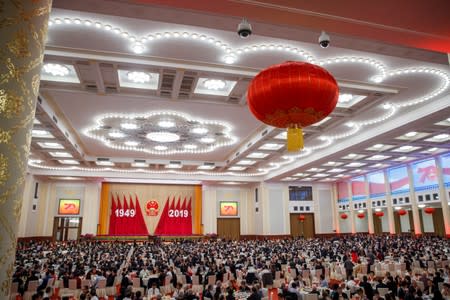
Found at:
<point>324,40</point>
<point>244,29</point>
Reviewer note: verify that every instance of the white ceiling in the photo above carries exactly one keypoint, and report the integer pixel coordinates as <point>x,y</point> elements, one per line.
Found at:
<point>413,96</point>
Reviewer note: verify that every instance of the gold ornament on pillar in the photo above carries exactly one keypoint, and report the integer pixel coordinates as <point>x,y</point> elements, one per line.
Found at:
<point>23,30</point>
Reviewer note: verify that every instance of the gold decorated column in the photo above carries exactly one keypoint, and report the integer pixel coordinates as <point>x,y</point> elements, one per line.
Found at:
<point>23,30</point>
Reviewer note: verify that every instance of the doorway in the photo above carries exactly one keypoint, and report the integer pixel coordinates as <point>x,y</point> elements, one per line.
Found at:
<point>302,225</point>
<point>229,228</point>
<point>67,228</point>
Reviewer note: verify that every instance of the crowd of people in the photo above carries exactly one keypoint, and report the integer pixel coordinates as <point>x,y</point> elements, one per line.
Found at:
<point>356,267</point>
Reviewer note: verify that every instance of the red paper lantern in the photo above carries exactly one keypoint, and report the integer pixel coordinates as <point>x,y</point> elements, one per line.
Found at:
<point>301,218</point>
<point>344,216</point>
<point>402,212</point>
<point>429,210</point>
<point>292,95</point>
<point>379,213</point>
<point>361,215</point>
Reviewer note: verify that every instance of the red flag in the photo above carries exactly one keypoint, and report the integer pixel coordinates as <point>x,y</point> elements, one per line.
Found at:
<point>189,218</point>
<point>183,218</point>
<point>132,217</point>
<point>119,217</point>
<point>142,228</point>
<point>112,216</point>
<point>163,220</point>
<point>125,219</point>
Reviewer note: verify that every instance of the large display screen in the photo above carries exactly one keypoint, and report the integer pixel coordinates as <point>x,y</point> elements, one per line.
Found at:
<point>300,193</point>
<point>358,188</point>
<point>342,191</point>
<point>377,184</point>
<point>425,175</point>
<point>445,163</point>
<point>69,207</point>
<point>398,180</point>
<point>228,209</point>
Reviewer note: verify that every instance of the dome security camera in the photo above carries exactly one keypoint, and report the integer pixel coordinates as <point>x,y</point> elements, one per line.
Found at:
<point>324,40</point>
<point>244,29</point>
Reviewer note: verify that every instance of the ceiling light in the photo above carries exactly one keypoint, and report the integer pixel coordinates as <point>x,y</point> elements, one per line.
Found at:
<point>50,145</point>
<point>229,59</point>
<point>69,162</point>
<point>376,78</point>
<point>174,166</point>
<point>138,77</point>
<point>207,140</point>
<point>257,155</point>
<point>246,162</point>
<point>104,163</point>
<point>411,134</point>
<point>402,158</point>
<point>421,205</point>
<point>343,98</point>
<point>214,84</point>
<point>355,164</point>
<point>271,146</point>
<point>397,208</point>
<point>60,154</point>
<point>361,211</point>
<point>281,136</point>
<point>331,163</point>
<point>160,148</point>
<point>405,148</point>
<point>139,165</point>
<point>163,137</point>
<point>336,170</point>
<point>190,146</point>
<point>442,136</point>
<point>166,124</point>
<point>320,175</point>
<point>116,134</point>
<point>236,168</point>
<point>138,48</point>
<point>41,134</point>
<point>378,146</point>
<point>36,121</point>
<point>56,69</point>
<point>206,167</point>
<point>378,157</point>
<point>377,209</point>
<point>432,149</point>
<point>351,155</point>
<point>131,143</point>
<point>129,126</point>
<point>300,174</point>
<point>199,130</point>
<point>387,105</point>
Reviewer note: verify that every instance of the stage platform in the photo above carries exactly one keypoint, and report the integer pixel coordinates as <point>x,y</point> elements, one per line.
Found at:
<point>143,238</point>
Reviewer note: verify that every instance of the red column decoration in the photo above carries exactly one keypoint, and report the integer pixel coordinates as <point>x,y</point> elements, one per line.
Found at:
<point>429,210</point>
<point>301,218</point>
<point>344,216</point>
<point>292,95</point>
<point>379,214</point>
<point>402,212</point>
<point>361,215</point>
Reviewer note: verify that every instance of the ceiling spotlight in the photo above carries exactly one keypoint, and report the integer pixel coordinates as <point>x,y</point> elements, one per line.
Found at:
<point>214,84</point>
<point>200,130</point>
<point>166,124</point>
<point>138,48</point>
<point>378,146</point>
<point>244,29</point>
<point>56,69</point>
<point>207,140</point>
<point>163,137</point>
<point>128,126</point>
<point>116,134</point>
<point>324,40</point>
<point>421,205</point>
<point>138,77</point>
<point>131,143</point>
<point>160,148</point>
<point>442,136</point>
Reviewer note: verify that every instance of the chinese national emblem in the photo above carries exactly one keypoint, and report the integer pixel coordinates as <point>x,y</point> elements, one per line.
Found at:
<point>151,208</point>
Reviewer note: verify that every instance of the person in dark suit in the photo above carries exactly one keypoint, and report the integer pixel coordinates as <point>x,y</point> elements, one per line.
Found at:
<point>254,295</point>
<point>368,290</point>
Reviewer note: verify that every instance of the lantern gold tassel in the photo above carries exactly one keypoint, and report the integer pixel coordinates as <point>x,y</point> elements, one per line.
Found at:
<point>294,139</point>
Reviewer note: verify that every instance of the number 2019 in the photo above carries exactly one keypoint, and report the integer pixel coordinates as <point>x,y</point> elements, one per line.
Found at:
<point>176,213</point>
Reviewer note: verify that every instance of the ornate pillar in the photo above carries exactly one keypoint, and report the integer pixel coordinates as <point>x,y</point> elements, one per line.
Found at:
<point>23,31</point>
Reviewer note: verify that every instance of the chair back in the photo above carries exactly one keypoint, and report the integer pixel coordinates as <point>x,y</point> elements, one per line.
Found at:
<point>32,286</point>
<point>85,282</point>
<point>212,279</point>
<point>310,297</point>
<point>195,280</point>
<point>101,284</point>
<point>383,291</point>
<point>14,288</point>
<point>72,284</point>
<point>136,282</point>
